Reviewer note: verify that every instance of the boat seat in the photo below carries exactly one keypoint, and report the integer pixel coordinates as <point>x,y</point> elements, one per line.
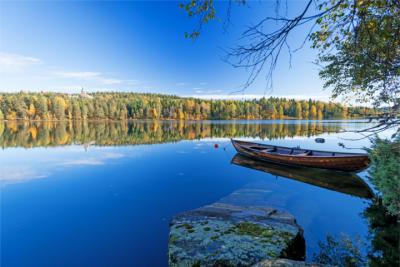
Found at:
<point>307,153</point>
<point>257,148</point>
<point>269,150</point>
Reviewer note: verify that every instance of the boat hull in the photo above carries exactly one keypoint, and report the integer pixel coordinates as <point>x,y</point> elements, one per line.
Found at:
<point>349,162</point>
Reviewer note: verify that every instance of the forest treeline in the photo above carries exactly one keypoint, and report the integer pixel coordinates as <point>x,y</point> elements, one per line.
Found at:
<point>103,133</point>
<point>122,106</point>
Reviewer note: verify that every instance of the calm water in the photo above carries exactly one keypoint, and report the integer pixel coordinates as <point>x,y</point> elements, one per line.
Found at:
<point>102,194</point>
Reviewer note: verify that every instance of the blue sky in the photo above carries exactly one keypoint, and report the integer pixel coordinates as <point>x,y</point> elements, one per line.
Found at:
<point>138,46</point>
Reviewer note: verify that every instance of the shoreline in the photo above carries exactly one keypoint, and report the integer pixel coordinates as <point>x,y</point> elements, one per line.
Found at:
<point>355,120</point>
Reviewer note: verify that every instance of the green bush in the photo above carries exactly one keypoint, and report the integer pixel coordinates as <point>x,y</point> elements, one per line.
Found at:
<point>385,171</point>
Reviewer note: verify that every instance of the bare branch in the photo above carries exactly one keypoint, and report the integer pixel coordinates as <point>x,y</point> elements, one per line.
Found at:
<point>263,49</point>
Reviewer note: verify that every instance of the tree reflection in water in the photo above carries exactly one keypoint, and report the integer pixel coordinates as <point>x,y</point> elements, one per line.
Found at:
<point>384,249</point>
<point>384,230</point>
<point>34,134</point>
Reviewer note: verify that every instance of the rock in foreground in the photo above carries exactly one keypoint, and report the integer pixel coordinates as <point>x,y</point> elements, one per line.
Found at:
<point>285,263</point>
<point>222,234</point>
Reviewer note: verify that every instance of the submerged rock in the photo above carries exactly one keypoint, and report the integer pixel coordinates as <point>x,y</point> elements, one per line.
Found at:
<point>285,263</point>
<point>224,234</point>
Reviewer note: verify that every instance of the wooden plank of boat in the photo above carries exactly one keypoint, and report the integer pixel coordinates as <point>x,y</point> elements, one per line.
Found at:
<point>343,182</point>
<point>350,162</point>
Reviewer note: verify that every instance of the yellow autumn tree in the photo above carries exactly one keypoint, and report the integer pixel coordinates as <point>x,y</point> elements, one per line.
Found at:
<point>313,112</point>
<point>31,111</point>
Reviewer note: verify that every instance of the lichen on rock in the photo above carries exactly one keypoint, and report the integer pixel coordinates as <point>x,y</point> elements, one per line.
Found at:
<point>230,235</point>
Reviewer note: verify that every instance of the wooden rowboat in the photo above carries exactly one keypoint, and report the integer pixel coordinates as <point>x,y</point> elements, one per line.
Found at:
<point>350,162</point>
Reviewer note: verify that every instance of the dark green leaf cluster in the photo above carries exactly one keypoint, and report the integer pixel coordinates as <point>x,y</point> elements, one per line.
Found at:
<point>359,49</point>
<point>204,11</point>
<point>385,172</point>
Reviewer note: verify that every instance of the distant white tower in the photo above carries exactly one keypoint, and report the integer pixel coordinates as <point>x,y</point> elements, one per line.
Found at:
<point>84,94</point>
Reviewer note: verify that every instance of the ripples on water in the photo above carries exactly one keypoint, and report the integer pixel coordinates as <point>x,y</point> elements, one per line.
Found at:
<point>102,193</point>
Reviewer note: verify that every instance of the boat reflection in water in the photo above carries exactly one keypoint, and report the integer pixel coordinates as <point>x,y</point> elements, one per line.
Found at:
<point>348,183</point>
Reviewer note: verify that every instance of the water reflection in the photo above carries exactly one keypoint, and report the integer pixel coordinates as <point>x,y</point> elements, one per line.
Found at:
<point>384,235</point>
<point>36,134</point>
<point>347,183</point>
<point>384,231</point>
<point>122,197</point>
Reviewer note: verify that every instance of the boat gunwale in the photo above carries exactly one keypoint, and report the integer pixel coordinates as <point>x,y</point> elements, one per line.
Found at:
<point>346,154</point>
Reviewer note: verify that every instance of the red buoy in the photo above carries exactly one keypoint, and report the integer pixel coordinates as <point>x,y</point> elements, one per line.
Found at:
<point>215,145</point>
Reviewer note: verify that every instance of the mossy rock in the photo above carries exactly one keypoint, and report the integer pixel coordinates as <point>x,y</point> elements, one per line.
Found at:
<point>228,235</point>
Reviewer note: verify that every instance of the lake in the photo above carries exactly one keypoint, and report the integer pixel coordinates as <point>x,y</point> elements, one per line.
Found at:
<point>103,193</point>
